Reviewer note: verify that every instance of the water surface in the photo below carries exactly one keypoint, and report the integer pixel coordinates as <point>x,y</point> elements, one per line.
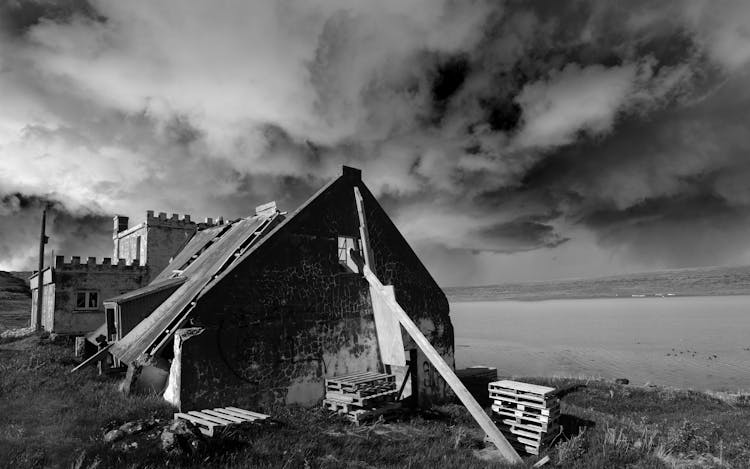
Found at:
<point>695,342</point>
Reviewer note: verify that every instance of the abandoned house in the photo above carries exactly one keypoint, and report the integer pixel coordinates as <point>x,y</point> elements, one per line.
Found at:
<point>74,291</point>
<point>264,308</point>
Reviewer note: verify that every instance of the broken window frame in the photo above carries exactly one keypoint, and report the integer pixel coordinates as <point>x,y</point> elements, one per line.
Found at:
<point>343,245</point>
<point>89,297</point>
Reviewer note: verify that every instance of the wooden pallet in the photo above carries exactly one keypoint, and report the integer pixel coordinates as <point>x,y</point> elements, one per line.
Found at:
<point>210,420</point>
<point>362,386</point>
<point>523,403</point>
<point>339,407</point>
<point>371,399</point>
<point>541,415</point>
<point>523,388</point>
<point>532,435</point>
<point>361,416</point>
<point>532,426</point>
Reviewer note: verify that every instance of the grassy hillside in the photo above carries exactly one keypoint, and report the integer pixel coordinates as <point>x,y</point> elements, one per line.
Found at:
<point>52,418</point>
<point>703,281</point>
<point>15,300</point>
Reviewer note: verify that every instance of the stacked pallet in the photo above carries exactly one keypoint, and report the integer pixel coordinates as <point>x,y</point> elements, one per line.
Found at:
<point>361,396</point>
<point>526,414</point>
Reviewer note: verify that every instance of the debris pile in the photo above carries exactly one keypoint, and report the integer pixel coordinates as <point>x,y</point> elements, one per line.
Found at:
<point>526,414</point>
<point>362,396</point>
<point>171,436</point>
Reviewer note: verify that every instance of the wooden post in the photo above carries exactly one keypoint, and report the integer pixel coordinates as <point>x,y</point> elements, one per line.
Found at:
<point>445,371</point>
<point>40,275</point>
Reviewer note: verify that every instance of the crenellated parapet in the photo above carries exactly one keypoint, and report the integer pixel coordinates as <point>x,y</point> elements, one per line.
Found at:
<point>175,221</point>
<point>98,265</point>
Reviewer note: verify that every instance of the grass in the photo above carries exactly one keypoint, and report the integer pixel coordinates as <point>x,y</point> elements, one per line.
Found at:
<point>52,418</point>
<point>15,301</point>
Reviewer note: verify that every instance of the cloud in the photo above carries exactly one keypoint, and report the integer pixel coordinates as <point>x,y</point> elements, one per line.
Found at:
<point>20,226</point>
<point>573,100</point>
<point>487,129</point>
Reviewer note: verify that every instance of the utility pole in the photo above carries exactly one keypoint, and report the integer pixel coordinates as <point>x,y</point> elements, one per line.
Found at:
<point>40,275</point>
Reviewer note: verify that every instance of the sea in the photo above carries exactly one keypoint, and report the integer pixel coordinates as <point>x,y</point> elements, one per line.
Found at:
<point>687,328</point>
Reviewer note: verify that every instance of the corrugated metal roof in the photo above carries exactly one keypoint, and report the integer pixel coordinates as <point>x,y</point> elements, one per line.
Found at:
<point>197,244</point>
<point>205,261</point>
<point>215,255</point>
<point>153,287</point>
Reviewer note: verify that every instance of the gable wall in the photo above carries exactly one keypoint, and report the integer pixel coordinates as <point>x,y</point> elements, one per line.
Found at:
<point>291,315</point>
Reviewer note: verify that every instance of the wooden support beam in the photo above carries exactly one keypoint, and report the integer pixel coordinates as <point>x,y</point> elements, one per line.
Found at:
<point>390,343</point>
<point>98,356</point>
<point>363,233</point>
<point>445,371</point>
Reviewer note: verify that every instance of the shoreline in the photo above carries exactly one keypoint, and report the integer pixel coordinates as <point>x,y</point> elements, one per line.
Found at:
<point>452,298</point>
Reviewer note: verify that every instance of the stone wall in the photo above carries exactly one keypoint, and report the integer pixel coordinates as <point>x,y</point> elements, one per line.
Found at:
<point>105,278</point>
<point>291,315</point>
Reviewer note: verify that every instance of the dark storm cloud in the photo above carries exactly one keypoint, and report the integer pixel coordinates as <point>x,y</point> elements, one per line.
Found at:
<point>18,16</point>
<point>486,127</point>
<point>20,228</point>
<point>523,234</point>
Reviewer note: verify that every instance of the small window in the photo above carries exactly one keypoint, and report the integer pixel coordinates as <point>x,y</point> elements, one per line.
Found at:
<point>87,299</point>
<point>345,245</point>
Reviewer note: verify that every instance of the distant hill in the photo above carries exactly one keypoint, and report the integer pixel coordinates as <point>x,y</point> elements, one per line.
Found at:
<point>15,300</point>
<point>703,281</point>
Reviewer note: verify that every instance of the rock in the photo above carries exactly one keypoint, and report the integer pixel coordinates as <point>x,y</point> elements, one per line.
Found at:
<point>622,381</point>
<point>181,437</point>
<point>126,446</point>
<point>131,427</point>
<point>113,435</point>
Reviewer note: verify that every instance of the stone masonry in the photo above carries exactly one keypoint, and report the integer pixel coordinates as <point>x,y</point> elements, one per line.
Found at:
<point>291,315</point>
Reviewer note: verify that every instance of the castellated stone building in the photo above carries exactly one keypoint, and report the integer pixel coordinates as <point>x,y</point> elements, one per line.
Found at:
<point>74,290</point>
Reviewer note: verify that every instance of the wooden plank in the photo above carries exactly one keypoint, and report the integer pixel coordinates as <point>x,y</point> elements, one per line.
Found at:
<point>367,379</point>
<point>354,399</point>
<point>531,434</point>
<point>525,416</point>
<point>230,413</point>
<point>520,386</point>
<point>514,407</point>
<point>445,371</point>
<point>341,379</point>
<point>251,414</point>
<point>542,427</point>
<point>93,358</point>
<point>345,378</point>
<point>522,402</point>
<point>387,328</point>
<point>232,418</point>
<point>520,396</point>
<point>210,418</point>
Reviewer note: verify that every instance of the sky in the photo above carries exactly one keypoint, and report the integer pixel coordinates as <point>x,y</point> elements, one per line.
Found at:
<point>509,140</point>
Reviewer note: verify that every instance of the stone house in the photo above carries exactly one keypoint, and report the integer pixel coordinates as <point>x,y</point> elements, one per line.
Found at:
<point>264,308</point>
<point>74,291</point>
